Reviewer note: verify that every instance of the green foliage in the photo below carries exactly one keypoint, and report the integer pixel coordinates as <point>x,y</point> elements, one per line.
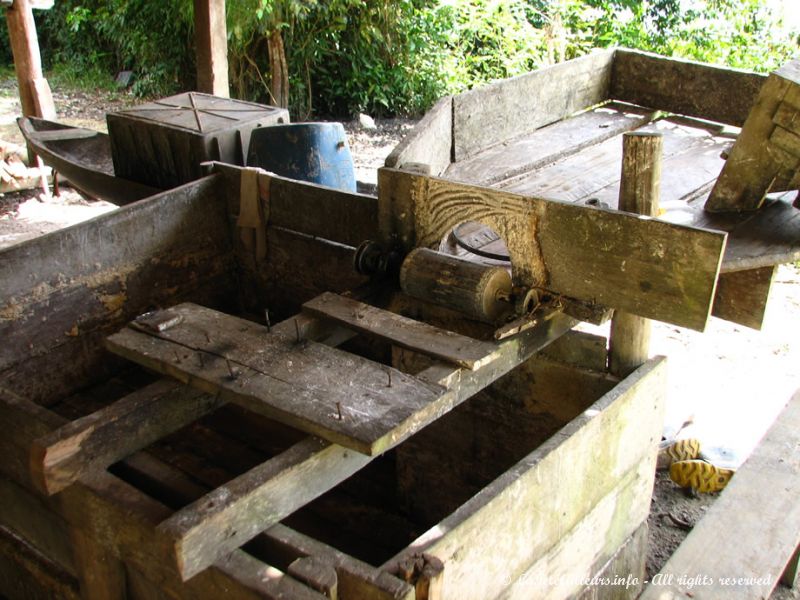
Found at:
<point>344,56</point>
<point>382,57</point>
<point>154,39</point>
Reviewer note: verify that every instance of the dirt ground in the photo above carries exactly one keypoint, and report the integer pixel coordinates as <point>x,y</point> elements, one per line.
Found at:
<point>730,381</point>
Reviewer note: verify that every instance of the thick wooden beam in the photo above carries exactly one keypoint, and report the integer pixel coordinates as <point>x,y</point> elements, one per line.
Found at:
<point>100,439</point>
<point>766,154</point>
<point>754,525</point>
<point>629,342</point>
<point>229,516</point>
<point>211,39</point>
<point>645,266</point>
<point>34,92</point>
<point>407,333</point>
<point>742,296</point>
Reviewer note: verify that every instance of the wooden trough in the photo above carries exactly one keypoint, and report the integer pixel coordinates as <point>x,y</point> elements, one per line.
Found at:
<point>203,398</point>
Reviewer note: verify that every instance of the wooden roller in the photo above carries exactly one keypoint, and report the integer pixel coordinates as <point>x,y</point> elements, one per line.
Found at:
<point>479,291</point>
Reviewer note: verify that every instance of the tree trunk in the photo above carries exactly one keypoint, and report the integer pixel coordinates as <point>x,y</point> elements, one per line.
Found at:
<point>279,88</point>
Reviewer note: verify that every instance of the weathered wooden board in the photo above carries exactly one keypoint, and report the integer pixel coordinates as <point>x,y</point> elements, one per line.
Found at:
<point>27,573</point>
<point>402,331</point>
<point>742,296</point>
<point>644,266</point>
<point>540,501</point>
<point>33,518</point>
<point>690,159</point>
<point>279,546</point>
<point>300,384</point>
<point>561,571</point>
<point>494,113</point>
<point>754,525</point>
<point>62,293</point>
<point>546,145</point>
<point>763,238</point>
<point>680,86</point>
<point>119,517</point>
<point>320,211</point>
<point>115,432</point>
<point>430,142</point>
<point>223,520</point>
<point>757,158</point>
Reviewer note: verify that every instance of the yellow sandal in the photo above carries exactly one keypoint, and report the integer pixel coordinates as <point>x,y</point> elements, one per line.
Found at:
<point>700,475</point>
<point>679,450</point>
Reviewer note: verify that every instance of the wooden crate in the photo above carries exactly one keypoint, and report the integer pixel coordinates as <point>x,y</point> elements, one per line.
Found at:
<point>414,523</point>
<point>162,143</point>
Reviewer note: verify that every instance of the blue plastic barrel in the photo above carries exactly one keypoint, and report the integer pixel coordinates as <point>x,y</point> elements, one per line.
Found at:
<point>315,152</point>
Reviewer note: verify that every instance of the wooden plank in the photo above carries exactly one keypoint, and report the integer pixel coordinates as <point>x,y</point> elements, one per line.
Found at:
<point>480,116</point>
<point>690,159</point>
<point>639,191</point>
<point>210,528</point>
<point>211,42</point>
<point>750,170</point>
<point>755,524</point>
<point>402,331</point>
<point>561,571</point>
<point>763,238</point>
<point>647,267</point>
<point>355,578</point>
<point>36,520</point>
<point>742,296</point>
<point>539,501</point>
<point>64,292</point>
<point>690,164</point>
<point>682,86</point>
<point>104,437</point>
<point>546,145</point>
<point>430,142</point>
<point>280,545</point>
<point>299,384</point>
<point>27,573</point>
<point>319,211</point>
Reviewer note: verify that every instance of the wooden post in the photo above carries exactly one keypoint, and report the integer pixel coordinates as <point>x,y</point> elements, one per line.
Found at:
<point>211,39</point>
<point>639,189</point>
<point>34,92</point>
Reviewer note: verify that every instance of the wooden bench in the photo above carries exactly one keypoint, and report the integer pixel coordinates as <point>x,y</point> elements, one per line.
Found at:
<point>748,541</point>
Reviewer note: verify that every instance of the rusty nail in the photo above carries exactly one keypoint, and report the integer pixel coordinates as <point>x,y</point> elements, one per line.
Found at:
<point>339,410</point>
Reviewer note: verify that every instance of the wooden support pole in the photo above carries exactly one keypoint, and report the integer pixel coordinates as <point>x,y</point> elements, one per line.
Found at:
<point>639,189</point>
<point>211,39</point>
<point>34,92</point>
